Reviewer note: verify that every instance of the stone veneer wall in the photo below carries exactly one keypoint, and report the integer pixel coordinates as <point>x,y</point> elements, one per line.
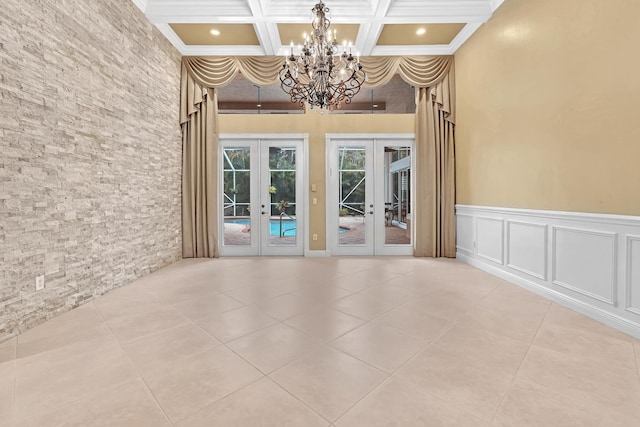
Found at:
<point>90,154</point>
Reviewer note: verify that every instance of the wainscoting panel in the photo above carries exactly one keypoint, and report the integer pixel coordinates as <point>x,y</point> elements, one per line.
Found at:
<point>587,262</point>
<point>527,248</point>
<point>584,261</point>
<point>489,239</point>
<point>633,274</point>
<point>465,240</point>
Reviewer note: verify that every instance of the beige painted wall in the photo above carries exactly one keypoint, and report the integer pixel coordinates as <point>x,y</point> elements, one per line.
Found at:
<point>548,96</point>
<point>317,126</point>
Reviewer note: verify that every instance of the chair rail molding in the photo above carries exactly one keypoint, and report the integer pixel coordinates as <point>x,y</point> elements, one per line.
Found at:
<point>584,261</point>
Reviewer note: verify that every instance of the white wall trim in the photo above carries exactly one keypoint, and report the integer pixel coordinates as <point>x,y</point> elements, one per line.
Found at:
<point>500,259</point>
<point>614,261</point>
<point>316,254</point>
<point>628,304</point>
<point>574,216</point>
<point>508,262</point>
<point>587,262</point>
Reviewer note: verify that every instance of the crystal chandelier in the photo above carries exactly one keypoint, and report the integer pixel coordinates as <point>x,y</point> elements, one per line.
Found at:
<point>320,75</point>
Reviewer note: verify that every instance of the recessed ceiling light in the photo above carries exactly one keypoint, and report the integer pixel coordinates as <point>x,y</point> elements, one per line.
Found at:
<point>421,31</point>
<point>215,32</point>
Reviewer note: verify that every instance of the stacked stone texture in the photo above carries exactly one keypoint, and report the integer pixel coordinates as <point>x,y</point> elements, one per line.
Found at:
<point>90,154</point>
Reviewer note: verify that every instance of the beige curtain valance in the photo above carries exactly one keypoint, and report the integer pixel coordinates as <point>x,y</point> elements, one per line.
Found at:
<point>214,71</point>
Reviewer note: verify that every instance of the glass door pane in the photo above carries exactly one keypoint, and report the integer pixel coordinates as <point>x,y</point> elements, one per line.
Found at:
<point>236,196</point>
<point>283,202</point>
<point>352,186</point>
<point>397,199</point>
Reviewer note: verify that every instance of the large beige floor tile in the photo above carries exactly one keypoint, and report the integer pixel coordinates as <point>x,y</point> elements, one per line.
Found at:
<point>76,350</point>
<point>126,405</point>
<point>414,322</point>
<point>262,404</point>
<point>137,325</point>
<point>636,343</point>
<point>272,348</point>
<point>325,324</point>
<point>419,285</point>
<point>475,349</point>
<point>380,346</point>
<point>8,350</point>
<point>530,405</point>
<point>364,279</point>
<point>444,304</point>
<point>520,326</point>
<point>324,293</point>
<point>582,377</point>
<point>42,387</point>
<point>198,381</point>
<point>396,404</point>
<point>328,380</point>
<point>509,290</point>
<point>7,380</point>
<point>262,291</point>
<point>373,302</point>
<point>233,324</point>
<point>285,306</point>
<point>582,342</point>
<point>183,291</point>
<point>206,305</point>
<point>123,303</point>
<point>564,317</point>
<point>161,351</point>
<point>63,330</point>
<point>477,390</point>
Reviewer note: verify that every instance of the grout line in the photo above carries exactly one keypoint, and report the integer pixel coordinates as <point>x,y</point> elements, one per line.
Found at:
<point>526,353</point>
<point>297,398</point>
<point>221,399</point>
<point>375,387</point>
<point>136,369</point>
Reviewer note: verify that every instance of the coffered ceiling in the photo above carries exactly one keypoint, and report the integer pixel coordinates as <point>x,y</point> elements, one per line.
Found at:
<point>267,27</point>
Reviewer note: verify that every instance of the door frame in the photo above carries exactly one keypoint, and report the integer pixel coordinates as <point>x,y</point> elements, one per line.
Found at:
<point>377,248</point>
<point>260,138</point>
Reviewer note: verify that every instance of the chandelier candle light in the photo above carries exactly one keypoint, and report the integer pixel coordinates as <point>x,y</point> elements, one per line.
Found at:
<point>320,75</point>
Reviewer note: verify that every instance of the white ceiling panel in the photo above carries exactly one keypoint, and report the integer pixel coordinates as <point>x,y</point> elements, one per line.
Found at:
<point>370,15</point>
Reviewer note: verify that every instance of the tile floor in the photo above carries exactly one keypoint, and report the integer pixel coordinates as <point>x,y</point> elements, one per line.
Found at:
<point>309,342</point>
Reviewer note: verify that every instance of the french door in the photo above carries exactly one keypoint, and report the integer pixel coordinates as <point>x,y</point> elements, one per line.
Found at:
<point>369,195</point>
<point>261,199</point>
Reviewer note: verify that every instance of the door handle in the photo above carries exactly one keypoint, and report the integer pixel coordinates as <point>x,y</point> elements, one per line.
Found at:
<point>263,213</point>
<point>370,212</point>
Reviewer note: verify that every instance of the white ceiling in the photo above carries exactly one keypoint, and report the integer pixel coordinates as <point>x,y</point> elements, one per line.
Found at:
<point>371,15</point>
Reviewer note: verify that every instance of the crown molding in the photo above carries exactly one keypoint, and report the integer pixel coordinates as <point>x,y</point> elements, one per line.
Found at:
<point>142,4</point>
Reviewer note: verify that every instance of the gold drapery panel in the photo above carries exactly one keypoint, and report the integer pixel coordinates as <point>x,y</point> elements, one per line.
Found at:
<point>199,122</point>
<point>433,77</point>
<point>435,178</point>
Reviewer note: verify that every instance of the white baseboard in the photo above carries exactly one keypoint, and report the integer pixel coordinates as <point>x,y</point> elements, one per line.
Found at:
<point>316,254</point>
<point>587,262</point>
